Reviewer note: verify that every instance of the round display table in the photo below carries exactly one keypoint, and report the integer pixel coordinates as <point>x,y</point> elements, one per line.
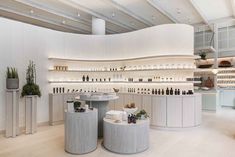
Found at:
<point>124,138</point>
<point>81,131</point>
<point>102,105</point>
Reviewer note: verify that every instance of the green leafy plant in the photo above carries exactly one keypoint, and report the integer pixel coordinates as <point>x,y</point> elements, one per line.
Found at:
<point>31,88</point>
<point>12,73</point>
<point>203,55</point>
<point>142,113</point>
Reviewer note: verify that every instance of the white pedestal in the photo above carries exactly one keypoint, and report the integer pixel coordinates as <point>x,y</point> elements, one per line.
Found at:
<point>12,113</point>
<point>31,114</point>
<point>81,130</point>
<point>124,138</point>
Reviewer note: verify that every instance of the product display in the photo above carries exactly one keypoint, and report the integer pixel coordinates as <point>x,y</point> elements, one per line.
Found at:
<point>61,68</point>
<point>131,119</point>
<point>225,78</point>
<point>225,64</point>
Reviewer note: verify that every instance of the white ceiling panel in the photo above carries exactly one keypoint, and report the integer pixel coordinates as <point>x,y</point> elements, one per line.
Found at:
<point>182,10</point>
<point>215,9</point>
<point>143,9</point>
<point>120,15</point>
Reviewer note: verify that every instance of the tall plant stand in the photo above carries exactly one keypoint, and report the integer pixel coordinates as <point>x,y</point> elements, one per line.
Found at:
<point>12,112</point>
<point>31,114</point>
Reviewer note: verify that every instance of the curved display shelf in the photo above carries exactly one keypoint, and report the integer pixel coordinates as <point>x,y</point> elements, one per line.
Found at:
<point>127,59</point>
<point>125,82</point>
<point>137,70</point>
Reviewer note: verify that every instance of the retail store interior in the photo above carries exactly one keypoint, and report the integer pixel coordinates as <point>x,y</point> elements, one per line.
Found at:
<point>110,78</point>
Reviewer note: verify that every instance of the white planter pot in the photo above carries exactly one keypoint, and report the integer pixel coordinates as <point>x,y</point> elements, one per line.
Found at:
<point>12,83</point>
<point>31,114</point>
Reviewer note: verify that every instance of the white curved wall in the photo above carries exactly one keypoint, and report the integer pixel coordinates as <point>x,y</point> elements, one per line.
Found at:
<point>170,39</point>
<point>22,42</point>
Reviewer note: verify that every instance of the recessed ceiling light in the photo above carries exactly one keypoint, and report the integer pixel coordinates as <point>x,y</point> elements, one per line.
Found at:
<point>78,15</point>
<point>63,22</point>
<point>113,14</point>
<point>31,11</point>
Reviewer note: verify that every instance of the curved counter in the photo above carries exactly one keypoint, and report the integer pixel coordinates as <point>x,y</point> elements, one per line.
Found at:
<point>167,111</point>
<point>183,111</point>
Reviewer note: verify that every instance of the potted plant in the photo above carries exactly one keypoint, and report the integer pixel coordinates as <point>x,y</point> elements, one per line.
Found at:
<point>142,115</point>
<point>31,91</point>
<point>12,80</point>
<point>203,55</point>
<point>31,88</point>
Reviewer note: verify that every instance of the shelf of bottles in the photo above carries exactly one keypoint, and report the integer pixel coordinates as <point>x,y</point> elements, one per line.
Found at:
<point>226,78</point>
<point>133,90</point>
<point>102,76</point>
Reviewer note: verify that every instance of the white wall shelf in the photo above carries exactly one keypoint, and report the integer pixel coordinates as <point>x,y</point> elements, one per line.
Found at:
<point>125,82</point>
<point>165,71</point>
<point>127,59</point>
<point>137,70</point>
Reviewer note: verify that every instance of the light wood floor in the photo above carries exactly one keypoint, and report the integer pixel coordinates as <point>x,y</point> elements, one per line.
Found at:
<point>215,138</point>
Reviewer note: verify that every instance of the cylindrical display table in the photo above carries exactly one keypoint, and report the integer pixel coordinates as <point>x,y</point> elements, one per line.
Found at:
<point>81,131</point>
<point>102,105</point>
<point>124,138</point>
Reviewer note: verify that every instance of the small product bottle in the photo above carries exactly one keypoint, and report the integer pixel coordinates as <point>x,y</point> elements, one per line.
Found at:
<point>163,92</point>
<point>171,91</point>
<point>176,92</point>
<point>129,119</point>
<point>134,119</point>
<point>159,91</point>
<point>167,91</point>
<point>83,78</point>
<point>155,92</point>
<point>152,91</point>
<point>54,90</point>
<point>87,78</point>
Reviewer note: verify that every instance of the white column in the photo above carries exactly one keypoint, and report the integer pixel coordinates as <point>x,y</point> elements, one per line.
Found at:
<point>216,53</point>
<point>98,26</point>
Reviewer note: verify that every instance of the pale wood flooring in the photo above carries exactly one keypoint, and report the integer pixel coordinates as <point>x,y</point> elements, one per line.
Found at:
<point>215,138</point>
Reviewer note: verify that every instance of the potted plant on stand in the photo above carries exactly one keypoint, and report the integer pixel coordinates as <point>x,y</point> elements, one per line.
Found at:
<point>31,91</point>
<point>12,80</point>
<point>12,102</point>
